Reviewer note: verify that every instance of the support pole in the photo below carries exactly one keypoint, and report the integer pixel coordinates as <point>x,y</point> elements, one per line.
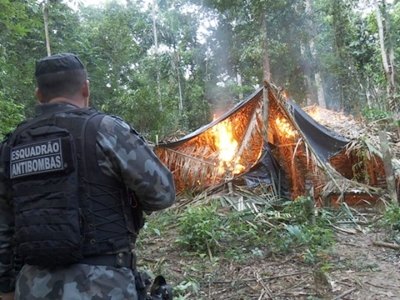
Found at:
<point>265,112</point>
<point>387,162</point>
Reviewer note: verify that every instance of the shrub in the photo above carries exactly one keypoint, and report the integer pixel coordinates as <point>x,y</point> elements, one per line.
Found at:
<point>201,229</point>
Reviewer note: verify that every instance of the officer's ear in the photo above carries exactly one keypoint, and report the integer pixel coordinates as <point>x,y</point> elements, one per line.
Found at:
<point>39,95</point>
<point>85,89</point>
<point>86,92</point>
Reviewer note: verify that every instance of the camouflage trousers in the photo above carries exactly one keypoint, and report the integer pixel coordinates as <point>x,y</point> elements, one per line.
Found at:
<point>75,282</point>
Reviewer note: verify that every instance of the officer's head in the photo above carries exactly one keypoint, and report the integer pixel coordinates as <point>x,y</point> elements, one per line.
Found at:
<point>62,77</point>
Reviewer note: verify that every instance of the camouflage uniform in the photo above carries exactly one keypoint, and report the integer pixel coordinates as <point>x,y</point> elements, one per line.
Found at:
<point>121,153</point>
<point>78,281</point>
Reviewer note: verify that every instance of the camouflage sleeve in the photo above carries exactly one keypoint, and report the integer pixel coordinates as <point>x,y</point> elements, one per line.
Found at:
<point>7,275</point>
<point>127,156</point>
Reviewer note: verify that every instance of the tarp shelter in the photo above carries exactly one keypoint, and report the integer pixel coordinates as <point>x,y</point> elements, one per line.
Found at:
<point>267,138</point>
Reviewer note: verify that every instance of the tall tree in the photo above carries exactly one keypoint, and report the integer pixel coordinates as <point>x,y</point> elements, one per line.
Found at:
<point>265,45</point>
<point>315,88</point>
<point>387,52</point>
<point>209,53</point>
<point>154,11</point>
<point>45,10</point>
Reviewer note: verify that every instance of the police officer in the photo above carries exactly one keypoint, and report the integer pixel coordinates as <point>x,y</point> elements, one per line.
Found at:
<point>73,185</point>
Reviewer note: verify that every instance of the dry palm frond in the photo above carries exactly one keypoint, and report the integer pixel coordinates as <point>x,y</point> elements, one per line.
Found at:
<point>352,146</point>
<point>372,149</point>
<point>244,198</point>
<point>343,185</point>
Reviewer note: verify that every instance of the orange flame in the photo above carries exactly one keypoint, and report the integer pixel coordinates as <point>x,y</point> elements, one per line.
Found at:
<point>285,128</point>
<point>316,114</point>
<point>227,147</point>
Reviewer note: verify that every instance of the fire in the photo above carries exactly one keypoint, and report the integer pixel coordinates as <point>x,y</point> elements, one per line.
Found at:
<point>227,147</point>
<point>285,128</point>
<point>315,113</point>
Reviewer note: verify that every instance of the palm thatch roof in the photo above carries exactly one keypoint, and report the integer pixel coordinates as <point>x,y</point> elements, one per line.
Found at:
<point>313,158</point>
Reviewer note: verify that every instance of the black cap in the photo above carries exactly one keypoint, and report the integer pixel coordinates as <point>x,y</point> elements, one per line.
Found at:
<point>57,63</point>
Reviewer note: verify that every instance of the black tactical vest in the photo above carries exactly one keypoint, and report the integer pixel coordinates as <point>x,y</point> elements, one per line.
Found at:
<point>66,208</point>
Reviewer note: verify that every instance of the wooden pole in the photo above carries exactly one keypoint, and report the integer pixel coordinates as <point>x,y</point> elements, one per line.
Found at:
<point>387,162</point>
<point>265,112</point>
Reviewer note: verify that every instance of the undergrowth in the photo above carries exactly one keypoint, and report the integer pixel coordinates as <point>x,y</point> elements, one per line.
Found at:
<point>391,222</point>
<point>210,234</point>
<point>291,227</point>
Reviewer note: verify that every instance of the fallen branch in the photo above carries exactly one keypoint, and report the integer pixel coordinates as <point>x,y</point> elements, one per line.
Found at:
<point>349,231</point>
<point>345,293</point>
<point>263,278</point>
<point>300,293</point>
<point>386,286</point>
<point>387,245</point>
<point>291,288</point>
<point>358,222</point>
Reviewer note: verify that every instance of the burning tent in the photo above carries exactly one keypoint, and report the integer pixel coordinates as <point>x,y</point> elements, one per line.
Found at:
<point>267,138</point>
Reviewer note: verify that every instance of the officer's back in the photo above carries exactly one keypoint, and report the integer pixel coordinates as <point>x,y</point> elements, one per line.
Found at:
<point>76,182</point>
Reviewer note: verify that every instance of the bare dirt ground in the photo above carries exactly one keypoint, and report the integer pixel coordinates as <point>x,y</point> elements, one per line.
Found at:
<point>367,270</point>
<point>355,269</point>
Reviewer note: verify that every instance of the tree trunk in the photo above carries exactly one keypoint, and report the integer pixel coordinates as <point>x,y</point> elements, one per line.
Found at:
<point>240,84</point>
<point>266,64</point>
<point>393,102</point>
<point>46,26</point>
<point>387,53</point>
<point>315,76</point>
<point>154,16</point>
<point>309,78</point>
<point>320,90</point>
<point>178,76</point>
<point>180,93</point>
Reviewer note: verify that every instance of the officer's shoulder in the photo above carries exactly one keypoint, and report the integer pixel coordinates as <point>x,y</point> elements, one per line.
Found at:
<point>117,125</point>
<point>112,120</point>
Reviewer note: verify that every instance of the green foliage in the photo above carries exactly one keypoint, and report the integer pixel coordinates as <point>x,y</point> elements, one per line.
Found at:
<point>13,18</point>
<point>116,42</point>
<point>299,211</point>
<point>373,114</point>
<point>244,235</point>
<point>11,115</point>
<point>391,223</point>
<point>155,225</point>
<point>205,231</point>
<point>18,47</point>
<point>303,230</point>
<point>246,238</point>
<point>201,229</point>
<point>312,240</point>
<point>391,218</point>
<point>185,287</point>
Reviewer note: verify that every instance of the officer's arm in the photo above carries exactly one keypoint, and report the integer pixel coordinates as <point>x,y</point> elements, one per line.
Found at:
<point>7,275</point>
<point>137,165</point>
